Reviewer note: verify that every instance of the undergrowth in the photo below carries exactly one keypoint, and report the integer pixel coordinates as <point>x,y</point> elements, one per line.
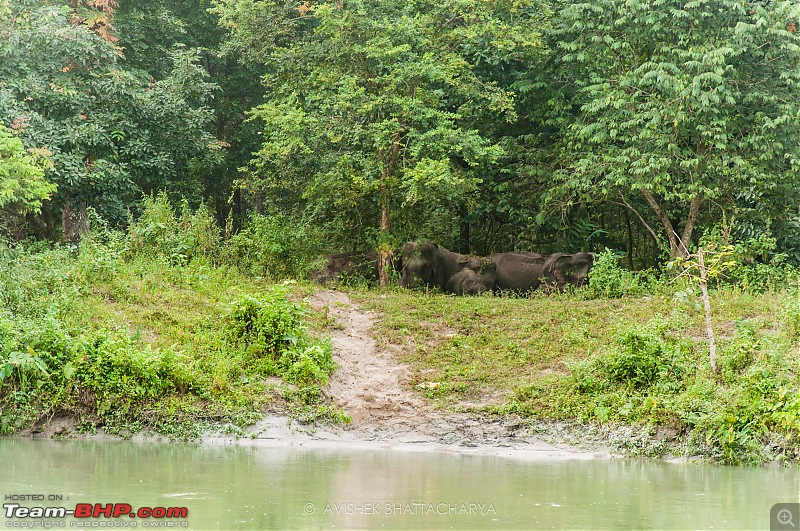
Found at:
<point>147,330</point>
<point>638,363</point>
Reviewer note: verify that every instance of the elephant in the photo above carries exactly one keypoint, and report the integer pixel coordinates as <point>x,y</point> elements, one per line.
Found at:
<point>431,265</point>
<point>525,271</point>
<point>569,268</point>
<point>470,282</point>
<point>364,264</point>
<point>428,264</point>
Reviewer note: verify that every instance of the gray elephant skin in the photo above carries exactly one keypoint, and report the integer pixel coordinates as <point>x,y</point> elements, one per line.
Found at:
<point>469,282</point>
<point>431,265</point>
<point>522,271</point>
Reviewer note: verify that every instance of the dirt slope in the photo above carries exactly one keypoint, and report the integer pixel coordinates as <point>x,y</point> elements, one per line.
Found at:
<point>373,387</point>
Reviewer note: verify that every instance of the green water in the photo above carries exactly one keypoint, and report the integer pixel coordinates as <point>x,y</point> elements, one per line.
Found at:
<point>250,487</point>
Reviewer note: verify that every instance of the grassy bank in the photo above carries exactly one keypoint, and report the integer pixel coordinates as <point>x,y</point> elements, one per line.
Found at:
<point>167,328</point>
<point>149,329</point>
<point>638,361</point>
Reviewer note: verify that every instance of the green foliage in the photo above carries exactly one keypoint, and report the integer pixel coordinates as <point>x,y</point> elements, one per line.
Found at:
<point>792,318</point>
<point>276,247</point>
<point>112,131</point>
<point>697,115</point>
<point>125,342</point>
<point>35,282</point>
<point>651,377</point>
<point>22,183</point>
<point>160,232</point>
<point>111,371</point>
<point>271,332</point>
<point>372,105</point>
<point>608,279</point>
<point>266,326</point>
<point>641,358</point>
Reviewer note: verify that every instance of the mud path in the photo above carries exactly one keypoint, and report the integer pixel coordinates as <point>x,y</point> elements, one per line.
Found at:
<point>370,385</point>
<point>374,387</point>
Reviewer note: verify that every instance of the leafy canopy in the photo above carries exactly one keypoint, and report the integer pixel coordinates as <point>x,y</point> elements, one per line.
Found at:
<point>683,102</point>
<point>372,104</point>
<point>113,131</point>
<point>22,183</point>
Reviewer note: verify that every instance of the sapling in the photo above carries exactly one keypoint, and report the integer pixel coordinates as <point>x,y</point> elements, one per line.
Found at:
<point>699,267</point>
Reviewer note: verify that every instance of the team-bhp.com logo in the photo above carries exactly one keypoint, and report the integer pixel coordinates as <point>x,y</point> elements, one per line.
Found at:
<point>162,515</point>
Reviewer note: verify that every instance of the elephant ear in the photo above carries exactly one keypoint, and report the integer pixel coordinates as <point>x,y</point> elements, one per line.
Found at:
<point>572,268</point>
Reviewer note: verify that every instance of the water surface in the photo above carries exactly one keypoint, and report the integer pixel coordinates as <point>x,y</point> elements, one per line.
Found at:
<point>256,487</point>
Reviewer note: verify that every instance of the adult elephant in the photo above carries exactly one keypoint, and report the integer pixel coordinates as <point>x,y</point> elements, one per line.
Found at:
<point>523,271</point>
<point>563,269</point>
<point>428,264</point>
<point>519,271</point>
<point>431,265</point>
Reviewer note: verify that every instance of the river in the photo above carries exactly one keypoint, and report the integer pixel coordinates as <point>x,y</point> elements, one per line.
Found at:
<point>224,486</point>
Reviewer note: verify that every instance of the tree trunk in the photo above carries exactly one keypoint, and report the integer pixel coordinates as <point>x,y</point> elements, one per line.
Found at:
<point>694,209</point>
<point>629,225</point>
<point>678,247</point>
<point>712,348</point>
<point>672,238</point>
<point>384,252</point>
<point>74,223</point>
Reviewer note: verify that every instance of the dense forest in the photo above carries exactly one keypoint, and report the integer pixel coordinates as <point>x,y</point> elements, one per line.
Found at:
<point>169,170</point>
<point>486,126</point>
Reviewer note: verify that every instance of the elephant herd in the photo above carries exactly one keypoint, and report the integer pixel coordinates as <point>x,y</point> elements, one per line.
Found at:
<point>432,266</point>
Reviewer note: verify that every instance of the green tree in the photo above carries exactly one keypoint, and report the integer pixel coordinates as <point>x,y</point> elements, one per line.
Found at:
<point>376,104</point>
<point>685,105</point>
<point>150,31</point>
<point>22,183</point>
<point>113,132</point>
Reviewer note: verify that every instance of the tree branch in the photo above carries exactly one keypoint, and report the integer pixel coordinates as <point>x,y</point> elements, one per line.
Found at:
<point>668,228</point>
<point>638,215</point>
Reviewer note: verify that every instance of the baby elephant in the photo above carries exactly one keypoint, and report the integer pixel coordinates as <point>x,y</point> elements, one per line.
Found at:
<point>469,282</point>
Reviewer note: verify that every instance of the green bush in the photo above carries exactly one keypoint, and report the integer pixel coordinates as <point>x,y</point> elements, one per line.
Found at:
<point>69,345</point>
<point>111,372</point>
<point>266,326</point>
<point>100,251</point>
<point>276,247</point>
<point>160,232</point>
<point>35,281</point>
<point>271,332</point>
<point>607,279</point>
<point>309,367</point>
<point>791,317</point>
<point>640,359</point>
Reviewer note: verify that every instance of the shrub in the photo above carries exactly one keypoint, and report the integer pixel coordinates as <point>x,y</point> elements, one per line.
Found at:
<point>112,372</point>
<point>101,249</point>
<point>160,232</point>
<point>266,326</point>
<point>792,318</point>
<point>33,281</point>
<point>271,332</point>
<point>276,247</point>
<point>608,279</point>
<point>641,358</point>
